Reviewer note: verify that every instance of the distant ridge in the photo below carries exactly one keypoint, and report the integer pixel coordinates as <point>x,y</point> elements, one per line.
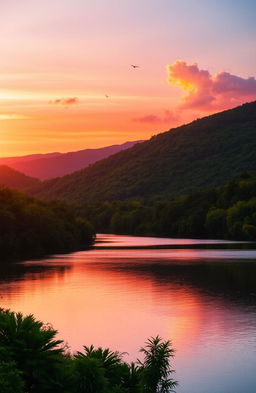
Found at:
<point>47,166</point>
<point>205,153</point>
<point>31,157</point>
<point>14,179</point>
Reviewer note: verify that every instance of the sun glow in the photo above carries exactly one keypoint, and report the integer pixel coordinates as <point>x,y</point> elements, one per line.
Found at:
<point>185,85</point>
<point>13,116</point>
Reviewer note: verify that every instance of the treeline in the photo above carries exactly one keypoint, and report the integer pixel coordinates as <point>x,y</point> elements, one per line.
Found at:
<point>221,212</point>
<point>32,360</point>
<point>30,227</point>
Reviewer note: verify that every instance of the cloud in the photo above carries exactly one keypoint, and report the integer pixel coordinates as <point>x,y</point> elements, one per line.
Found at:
<point>168,117</point>
<point>147,119</point>
<point>65,101</point>
<point>206,92</point>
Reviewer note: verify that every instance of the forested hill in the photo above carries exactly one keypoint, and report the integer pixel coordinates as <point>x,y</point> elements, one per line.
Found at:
<point>11,178</point>
<point>30,227</point>
<point>205,153</point>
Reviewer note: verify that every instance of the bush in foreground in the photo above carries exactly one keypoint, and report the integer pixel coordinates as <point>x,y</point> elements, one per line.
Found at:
<point>32,360</point>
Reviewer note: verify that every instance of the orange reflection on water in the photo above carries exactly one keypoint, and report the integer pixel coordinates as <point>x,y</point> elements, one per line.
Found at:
<point>118,297</point>
<point>89,299</point>
<point>90,304</point>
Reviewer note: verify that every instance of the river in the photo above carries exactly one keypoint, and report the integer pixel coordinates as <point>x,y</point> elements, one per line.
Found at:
<point>200,294</point>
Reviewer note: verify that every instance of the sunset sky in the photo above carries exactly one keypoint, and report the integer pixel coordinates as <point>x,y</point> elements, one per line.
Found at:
<point>60,58</point>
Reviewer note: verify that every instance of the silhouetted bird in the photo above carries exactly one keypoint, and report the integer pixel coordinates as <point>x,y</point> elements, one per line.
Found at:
<point>107,96</point>
<point>134,66</point>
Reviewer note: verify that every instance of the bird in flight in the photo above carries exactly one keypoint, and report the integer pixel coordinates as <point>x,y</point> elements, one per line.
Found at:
<point>107,96</point>
<point>134,66</point>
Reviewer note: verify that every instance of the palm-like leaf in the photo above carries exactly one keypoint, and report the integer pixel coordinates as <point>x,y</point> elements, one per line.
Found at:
<point>106,356</point>
<point>31,345</point>
<point>131,379</point>
<point>156,365</point>
<point>110,361</point>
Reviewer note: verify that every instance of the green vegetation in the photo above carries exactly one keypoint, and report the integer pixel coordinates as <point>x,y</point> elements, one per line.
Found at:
<point>222,212</point>
<point>32,360</point>
<point>30,227</point>
<point>206,153</point>
<point>14,179</point>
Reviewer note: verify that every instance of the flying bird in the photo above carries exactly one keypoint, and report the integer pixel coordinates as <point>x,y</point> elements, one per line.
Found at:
<point>134,66</point>
<point>107,96</point>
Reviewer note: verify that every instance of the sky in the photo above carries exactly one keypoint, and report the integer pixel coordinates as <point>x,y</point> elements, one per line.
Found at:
<point>67,81</point>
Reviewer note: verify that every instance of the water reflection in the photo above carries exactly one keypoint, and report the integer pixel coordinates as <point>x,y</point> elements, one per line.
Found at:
<point>106,240</point>
<point>204,300</point>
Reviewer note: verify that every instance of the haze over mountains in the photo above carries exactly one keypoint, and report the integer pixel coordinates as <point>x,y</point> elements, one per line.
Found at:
<point>47,166</point>
<point>11,178</point>
<point>205,153</point>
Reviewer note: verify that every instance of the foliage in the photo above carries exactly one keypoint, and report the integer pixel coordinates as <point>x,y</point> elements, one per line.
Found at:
<point>222,212</point>
<point>33,361</point>
<point>156,367</point>
<point>108,360</point>
<point>89,375</point>
<point>10,378</point>
<point>30,227</point>
<point>32,347</point>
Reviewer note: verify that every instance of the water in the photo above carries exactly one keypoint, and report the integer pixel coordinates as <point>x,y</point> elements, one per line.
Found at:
<point>200,294</point>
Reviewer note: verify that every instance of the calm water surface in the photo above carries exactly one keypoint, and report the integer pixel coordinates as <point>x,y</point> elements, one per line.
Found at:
<point>200,294</point>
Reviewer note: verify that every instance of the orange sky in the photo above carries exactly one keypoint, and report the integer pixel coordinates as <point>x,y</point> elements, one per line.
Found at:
<point>59,61</point>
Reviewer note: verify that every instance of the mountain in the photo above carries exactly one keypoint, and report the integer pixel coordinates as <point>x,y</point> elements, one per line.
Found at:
<point>47,166</point>
<point>14,179</point>
<point>13,160</point>
<point>205,153</point>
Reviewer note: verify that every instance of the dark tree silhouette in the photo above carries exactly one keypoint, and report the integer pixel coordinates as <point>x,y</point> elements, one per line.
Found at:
<point>156,366</point>
<point>33,348</point>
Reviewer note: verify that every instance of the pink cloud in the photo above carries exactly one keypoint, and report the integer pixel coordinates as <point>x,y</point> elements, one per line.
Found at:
<point>206,92</point>
<point>168,117</point>
<point>65,101</point>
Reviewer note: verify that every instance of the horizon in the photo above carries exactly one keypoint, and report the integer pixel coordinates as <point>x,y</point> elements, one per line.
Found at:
<point>68,77</point>
<point>72,151</point>
<point>122,143</point>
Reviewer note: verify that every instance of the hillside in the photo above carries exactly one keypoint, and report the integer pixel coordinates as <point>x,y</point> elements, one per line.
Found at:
<point>47,166</point>
<point>12,160</point>
<point>205,153</point>
<point>14,179</point>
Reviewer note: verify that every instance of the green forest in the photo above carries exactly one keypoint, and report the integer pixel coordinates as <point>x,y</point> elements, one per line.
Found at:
<point>33,360</point>
<point>220,212</point>
<point>30,227</point>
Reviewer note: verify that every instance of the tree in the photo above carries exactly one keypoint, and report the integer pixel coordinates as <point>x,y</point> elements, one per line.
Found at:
<point>216,222</point>
<point>156,366</point>
<point>89,375</point>
<point>132,378</point>
<point>33,348</point>
<point>110,361</point>
<point>10,378</point>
